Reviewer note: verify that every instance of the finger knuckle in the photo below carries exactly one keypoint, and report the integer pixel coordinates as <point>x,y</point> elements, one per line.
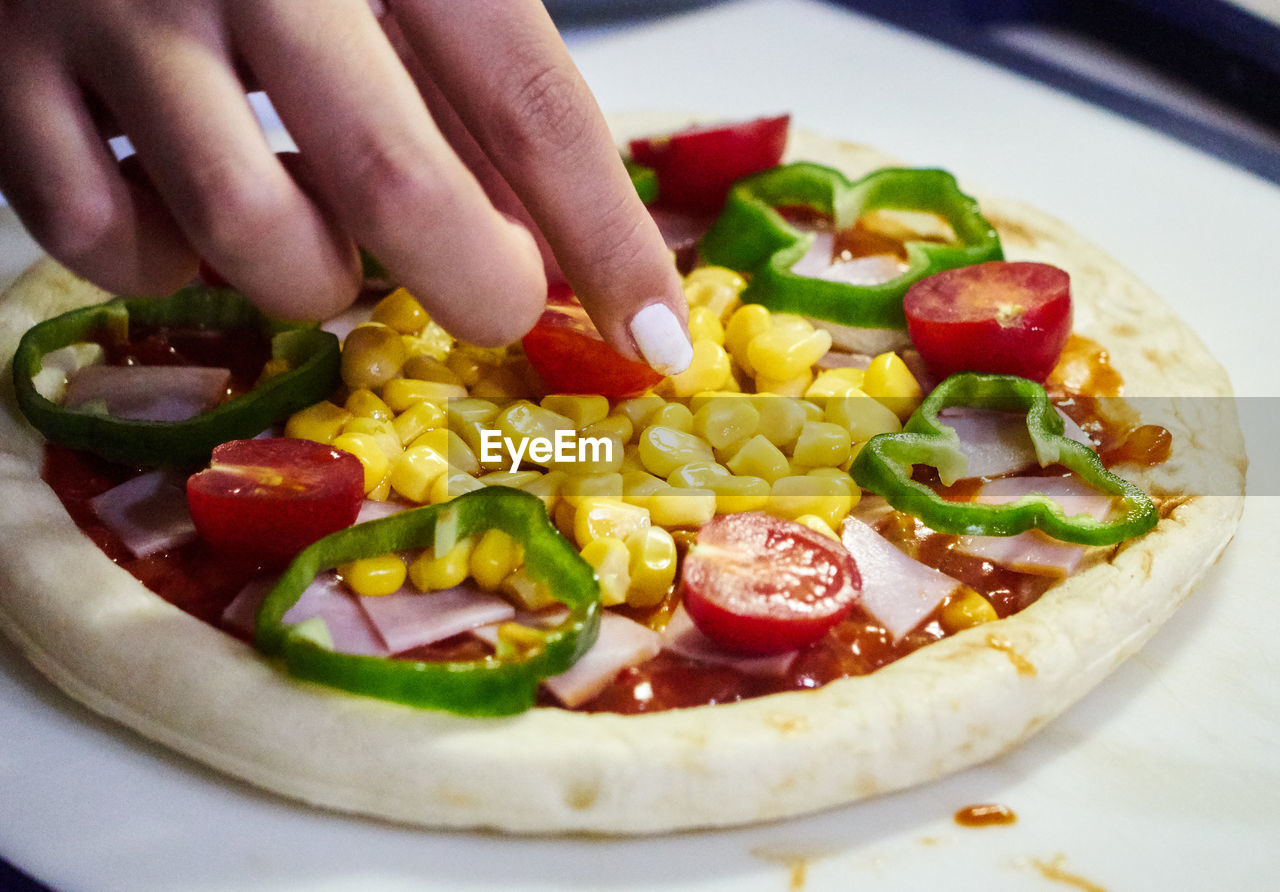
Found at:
<point>235,211</point>
<point>394,184</point>
<point>546,112</point>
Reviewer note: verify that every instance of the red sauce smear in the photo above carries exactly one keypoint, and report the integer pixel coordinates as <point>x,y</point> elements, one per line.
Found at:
<point>985,815</point>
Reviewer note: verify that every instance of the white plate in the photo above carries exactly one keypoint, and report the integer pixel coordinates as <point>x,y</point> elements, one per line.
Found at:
<point>1163,777</point>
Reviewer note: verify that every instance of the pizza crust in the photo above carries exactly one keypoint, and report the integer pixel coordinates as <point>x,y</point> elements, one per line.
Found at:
<point>107,641</point>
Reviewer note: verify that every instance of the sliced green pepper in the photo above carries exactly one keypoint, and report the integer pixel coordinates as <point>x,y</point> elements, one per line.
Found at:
<point>644,179</point>
<point>500,685</point>
<point>884,466</point>
<point>751,236</point>
<point>313,357</point>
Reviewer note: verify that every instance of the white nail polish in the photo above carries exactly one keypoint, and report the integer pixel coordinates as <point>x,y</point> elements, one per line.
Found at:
<point>661,339</point>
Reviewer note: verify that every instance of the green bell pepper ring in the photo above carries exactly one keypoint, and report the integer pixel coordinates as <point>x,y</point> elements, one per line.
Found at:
<point>885,463</point>
<point>752,237</point>
<point>313,357</point>
<point>504,684</point>
<point>644,179</point>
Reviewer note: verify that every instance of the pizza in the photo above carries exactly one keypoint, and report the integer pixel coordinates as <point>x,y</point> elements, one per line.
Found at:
<point>809,575</point>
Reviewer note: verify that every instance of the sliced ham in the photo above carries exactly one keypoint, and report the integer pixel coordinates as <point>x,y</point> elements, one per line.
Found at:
<point>897,590</point>
<point>997,443</point>
<point>1032,551</point>
<point>682,638</point>
<point>326,599</point>
<point>819,262</point>
<point>410,618</point>
<point>148,393</point>
<point>148,513</point>
<point>372,509</point>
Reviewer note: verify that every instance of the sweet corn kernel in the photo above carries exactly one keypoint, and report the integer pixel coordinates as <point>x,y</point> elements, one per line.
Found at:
<point>272,368</point>
<point>709,370</point>
<point>698,475</point>
<point>500,383</point>
<point>466,365</point>
<point>429,572</point>
<point>404,393</point>
<point>611,561</point>
<point>890,381</point>
<point>529,594</point>
<point>759,458</point>
<point>715,288</point>
<point>676,416</point>
<point>781,418</point>
<point>384,432</point>
<point>320,422</point>
<point>681,507</point>
<point>416,420</point>
<point>374,577</point>
<point>547,488</point>
<point>737,493</point>
<point>663,449</point>
<point>818,525</point>
<point>616,426</point>
<point>415,471</point>
<point>523,421</point>
<point>366,404</point>
<point>640,409</point>
<point>599,517</point>
<point>861,416</point>
<point>652,566</point>
<point>427,368</point>
<point>451,446</point>
<point>451,484</point>
<point>821,444</point>
<point>562,516</point>
<point>365,447</point>
<point>834,382</point>
<point>581,486</point>
<point>726,420</point>
<point>748,321</point>
<point>514,479</point>
<point>494,557</point>
<point>371,356</point>
<point>400,310</point>
<point>793,387</point>
<point>638,486</point>
<point>781,354</point>
<point>593,454</point>
<point>433,341</point>
<point>825,497</point>
<point>582,410</point>
<point>704,325</point>
<point>965,608</point>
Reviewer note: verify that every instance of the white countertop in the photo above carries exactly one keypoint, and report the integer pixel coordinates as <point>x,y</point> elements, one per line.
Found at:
<point>1163,777</point>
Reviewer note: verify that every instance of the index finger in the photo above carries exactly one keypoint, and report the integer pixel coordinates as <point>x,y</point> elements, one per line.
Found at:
<point>508,75</point>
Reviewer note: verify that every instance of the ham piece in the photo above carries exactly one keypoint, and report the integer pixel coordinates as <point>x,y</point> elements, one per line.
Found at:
<point>148,393</point>
<point>409,618</point>
<point>325,598</point>
<point>148,513</point>
<point>682,638</point>
<point>997,443</point>
<point>897,590</point>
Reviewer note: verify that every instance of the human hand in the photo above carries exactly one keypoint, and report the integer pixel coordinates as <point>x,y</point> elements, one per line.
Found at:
<point>435,134</point>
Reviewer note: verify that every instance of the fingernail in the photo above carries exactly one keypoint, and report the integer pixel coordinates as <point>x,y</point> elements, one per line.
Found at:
<point>661,339</point>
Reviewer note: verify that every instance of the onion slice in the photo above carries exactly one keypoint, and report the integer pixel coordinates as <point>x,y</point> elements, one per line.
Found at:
<point>148,393</point>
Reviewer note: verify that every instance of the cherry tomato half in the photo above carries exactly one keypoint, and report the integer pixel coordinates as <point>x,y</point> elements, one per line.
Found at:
<point>696,167</point>
<point>760,584</point>
<point>265,500</point>
<point>999,317</point>
<point>567,351</point>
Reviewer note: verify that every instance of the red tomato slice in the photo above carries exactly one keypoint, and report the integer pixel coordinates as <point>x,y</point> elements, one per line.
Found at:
<point>760,584</point>
<point>696,167</point>
<point>265,500</point>
<point>567,351</point>
<point>999,317</point>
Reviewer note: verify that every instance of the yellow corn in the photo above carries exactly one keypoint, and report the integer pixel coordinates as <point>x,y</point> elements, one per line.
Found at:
<point>616,426</point>
<point>430,572</point>
<point>320,422</point>
<point>366,404</point>
<point>681,507</point>
<point>652,566</point>
<point>451,446</point>
<point>422,367</point>
<point>494,557</point>
<point>601,517</point>
<point>547,488</point>
<point>748,321</point>
<point>583,486</point>
<point>786,349</point>
<point>759,458</point>
<point>365,447</point>
<point>698,474</point>
<point>611,561</point>
<point>704,325</point>
<point>384,432</point>
<point>453,483</point>
<point>890,381</point>
<point>529,594</point>
<point>500,382</point>
<point>861,416</point>
<point>966,608</point>
<point>374,577</point>
<point>834,382</point>
<point>415,471</point>
<point>582,410</point>
<point>371,356</point>
<point>709,370</point>
<point>725,420</point>
<point>736,493</point>
<point>663,449</point>
<point>676,416</point>
<point>821,444</point>
<point>818,525</point>
<point>640,409</point>
<point>404,393</point>
<point>523,421</point>
<point>793,387</point>
<point>515,479</point>
<point>639,485</point>
<point>713,287</point>
<point>826,497</point>
<point>400,310</point>
<point>781,418</point>
<point>416,420</point>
